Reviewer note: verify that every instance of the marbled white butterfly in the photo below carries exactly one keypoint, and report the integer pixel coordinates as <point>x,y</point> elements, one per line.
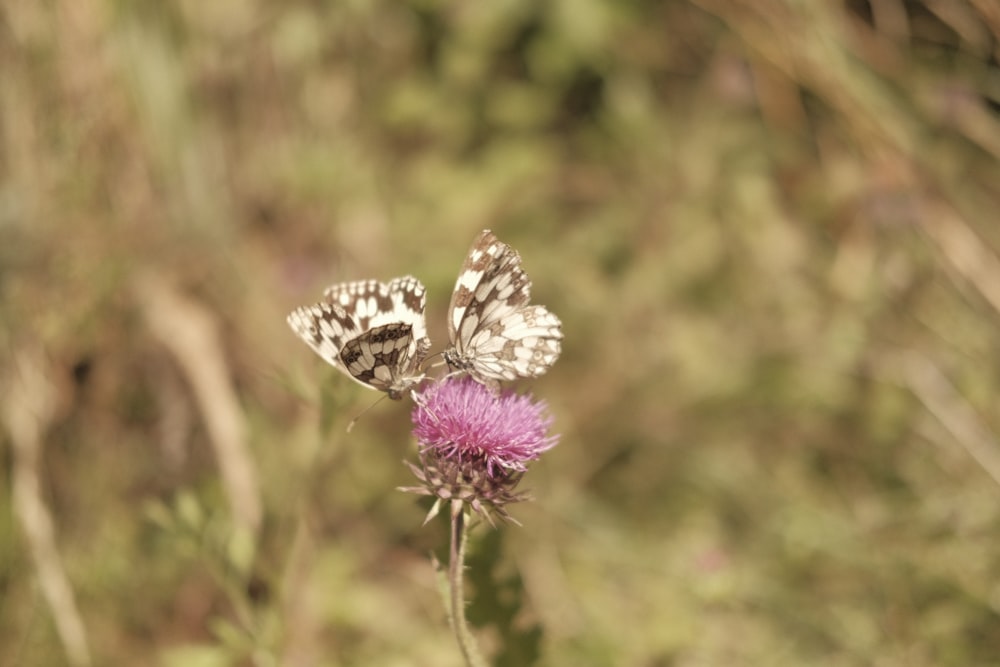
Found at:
<point>374,332</point>
<point>495,333</point>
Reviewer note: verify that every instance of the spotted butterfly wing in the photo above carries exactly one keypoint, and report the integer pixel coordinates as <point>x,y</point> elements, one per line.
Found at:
<point>373,332</point>
<point>495,333</point>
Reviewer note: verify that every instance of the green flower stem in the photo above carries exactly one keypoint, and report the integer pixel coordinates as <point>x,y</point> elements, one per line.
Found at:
<point>456,568</point>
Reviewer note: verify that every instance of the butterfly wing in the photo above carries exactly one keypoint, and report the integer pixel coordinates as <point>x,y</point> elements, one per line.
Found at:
<point>386,358</point>
<point>372,304</point>
<point>490,285</point>
<point>525,343</point>
<point>408,301</point>
<point>372,331</point>
<point>326,328</point>
<point>494,333</point>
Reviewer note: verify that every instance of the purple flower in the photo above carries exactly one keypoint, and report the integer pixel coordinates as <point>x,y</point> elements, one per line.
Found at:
<point>475,445</point>
<point>465,421</point>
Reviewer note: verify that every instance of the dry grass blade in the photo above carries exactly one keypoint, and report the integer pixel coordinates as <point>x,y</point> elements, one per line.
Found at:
<point>943,401</point>
<point>190,333</point>
<point>27,410</point>
<point>964,250</point>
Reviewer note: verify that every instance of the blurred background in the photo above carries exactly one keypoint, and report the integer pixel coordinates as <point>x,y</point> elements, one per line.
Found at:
<point>769,228</point>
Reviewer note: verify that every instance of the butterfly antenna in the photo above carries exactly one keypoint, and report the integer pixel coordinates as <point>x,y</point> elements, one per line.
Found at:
<point>361,414</point>
<point>441,362</point>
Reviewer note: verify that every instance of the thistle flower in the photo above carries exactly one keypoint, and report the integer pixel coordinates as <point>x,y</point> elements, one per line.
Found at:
<point>475,444</point>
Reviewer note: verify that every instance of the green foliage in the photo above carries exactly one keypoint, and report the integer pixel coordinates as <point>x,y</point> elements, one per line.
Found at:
<point>768,228</point>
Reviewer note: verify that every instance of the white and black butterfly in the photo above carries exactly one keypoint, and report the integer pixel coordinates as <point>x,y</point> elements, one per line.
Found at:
<point>495,333</point>
<point>374,332</point>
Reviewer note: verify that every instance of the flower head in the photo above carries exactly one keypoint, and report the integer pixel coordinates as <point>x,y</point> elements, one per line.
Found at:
<point>475,444</point>
<point>463,420</point>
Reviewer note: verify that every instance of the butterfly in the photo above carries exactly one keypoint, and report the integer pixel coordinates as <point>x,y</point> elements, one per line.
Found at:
<point>495,334</point>
<point>372,331</point>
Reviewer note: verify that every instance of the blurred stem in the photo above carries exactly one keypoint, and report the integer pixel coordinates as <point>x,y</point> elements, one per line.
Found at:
<point>456,568</point>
